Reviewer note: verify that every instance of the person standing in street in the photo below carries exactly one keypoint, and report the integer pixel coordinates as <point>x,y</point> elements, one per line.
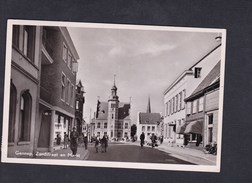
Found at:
<point>97,142</point>
<point>65,140</point>
<point>106,142</point>
<point>153,140</point>
<point>85,141</point>
<point>142,137</point>
<point>74,141</point>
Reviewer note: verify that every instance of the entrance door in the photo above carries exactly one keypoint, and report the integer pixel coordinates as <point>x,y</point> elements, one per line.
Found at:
<point>44,134</point>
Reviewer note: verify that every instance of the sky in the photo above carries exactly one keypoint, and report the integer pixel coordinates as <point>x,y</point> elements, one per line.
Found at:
<point>145,63</point>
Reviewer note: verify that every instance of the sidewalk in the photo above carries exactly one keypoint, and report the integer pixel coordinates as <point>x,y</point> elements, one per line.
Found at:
<point>187,154</point>
<point>65,154</point>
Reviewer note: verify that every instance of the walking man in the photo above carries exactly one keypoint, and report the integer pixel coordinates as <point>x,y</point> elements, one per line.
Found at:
<point>142,137</point>
<point>74,141</point>
<point>85,141</point>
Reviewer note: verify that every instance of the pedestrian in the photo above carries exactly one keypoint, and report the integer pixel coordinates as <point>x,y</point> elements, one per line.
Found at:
<point>58,139</point>
<point>97,142</point>
<point>74,141</point>
<point>103,143</point>
<point>161,139</point>
<point>142,137</point>
<point>85,142</point>
<point>66,139</point>
<point>153,140</point>
<point>106,142</point>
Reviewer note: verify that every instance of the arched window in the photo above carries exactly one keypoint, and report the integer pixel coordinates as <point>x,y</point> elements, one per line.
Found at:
<point>25,116</point>
<point>12,112</point>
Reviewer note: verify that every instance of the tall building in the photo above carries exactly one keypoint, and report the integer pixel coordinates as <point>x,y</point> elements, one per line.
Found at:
<point>181,88</point>
<point>148,122</point>
<point>79,107</point>
<point>113,117</point>
<point>57,87</point>
<point>202,111</point>
<point>24,88</point>
<point>42,93</point>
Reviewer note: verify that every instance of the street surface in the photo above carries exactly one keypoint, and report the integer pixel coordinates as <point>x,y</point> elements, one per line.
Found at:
<point>132,153</point>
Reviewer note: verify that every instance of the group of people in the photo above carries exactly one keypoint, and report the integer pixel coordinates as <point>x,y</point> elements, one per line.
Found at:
<point>75,139</point>
<point>103,143</point>
<point>153,138</point>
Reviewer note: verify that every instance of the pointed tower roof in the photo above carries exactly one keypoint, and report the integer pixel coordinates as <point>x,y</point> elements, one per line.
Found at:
<point>149,106</point>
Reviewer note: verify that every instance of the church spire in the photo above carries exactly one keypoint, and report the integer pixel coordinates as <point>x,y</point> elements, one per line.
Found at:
<point>149,106</point>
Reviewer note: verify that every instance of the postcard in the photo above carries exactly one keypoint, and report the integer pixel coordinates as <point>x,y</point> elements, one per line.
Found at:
<point>113,95</point>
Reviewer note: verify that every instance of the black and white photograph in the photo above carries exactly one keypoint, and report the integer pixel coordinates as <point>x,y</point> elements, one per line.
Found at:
<point>113,95</point>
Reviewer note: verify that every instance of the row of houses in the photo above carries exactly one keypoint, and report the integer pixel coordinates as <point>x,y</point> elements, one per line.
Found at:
<point>191,104</point>
<point>44,99</point>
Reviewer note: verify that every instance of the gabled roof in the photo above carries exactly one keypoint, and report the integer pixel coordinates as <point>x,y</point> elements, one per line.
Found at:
<point>103,113</point>
<point>211,79</point>
<point>149,118</point>
<point>123,111</point>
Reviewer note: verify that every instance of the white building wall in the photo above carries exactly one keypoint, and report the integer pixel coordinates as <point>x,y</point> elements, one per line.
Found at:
<point>188,83</point>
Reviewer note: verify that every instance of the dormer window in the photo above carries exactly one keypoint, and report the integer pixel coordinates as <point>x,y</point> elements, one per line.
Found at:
<point>197,72</point>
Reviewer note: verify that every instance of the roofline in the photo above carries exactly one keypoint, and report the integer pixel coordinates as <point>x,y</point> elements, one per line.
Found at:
<point>69,41</point>
<point>204,90</point>
<point>177,80</point>
<point>189,70</point>
<point>205,56</point>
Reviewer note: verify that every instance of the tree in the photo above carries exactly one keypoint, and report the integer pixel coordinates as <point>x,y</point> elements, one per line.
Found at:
<point>133,131</point>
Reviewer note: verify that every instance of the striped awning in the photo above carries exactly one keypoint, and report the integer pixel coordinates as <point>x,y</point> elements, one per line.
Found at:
<point>194,127</point>
<point>181,128</point>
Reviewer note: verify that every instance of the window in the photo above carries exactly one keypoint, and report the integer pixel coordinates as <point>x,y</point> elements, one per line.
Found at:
<point>173,105</point>
<point>126,126</point>
<point>77,105</point>
<point>170,102</point>
<point>12,113</point>
<point>15,35</point>
<point>105,125</point>
<point>153,128</point>
<point>143,128</point>
<point>63,88</point>
<point>69,59</point>
<point>188,110</point>
<point>98,125</point>
<point>180,101</point>
<point>98,134</point>
<point>72,95</point>
<point>68,92</point>
<point>105,133</point>
<point>197,72</point>
<point>148,128</point>
<point>201,102</point>
<point>166,109</point>
<point>194,110</point>
<point>25,116</point>
<point>210,119</point>
<point>112,116</point>
<point>125,134</point>
<point>64,52</point>
<point>176,103</point>
<point>210,134</point>
<point>113,105</point>
<point>28,41</point>
<point>183,98</point>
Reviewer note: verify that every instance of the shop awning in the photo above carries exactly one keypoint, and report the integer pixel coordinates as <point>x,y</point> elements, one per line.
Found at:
<point>181,128</point>
<point>194,127</point>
